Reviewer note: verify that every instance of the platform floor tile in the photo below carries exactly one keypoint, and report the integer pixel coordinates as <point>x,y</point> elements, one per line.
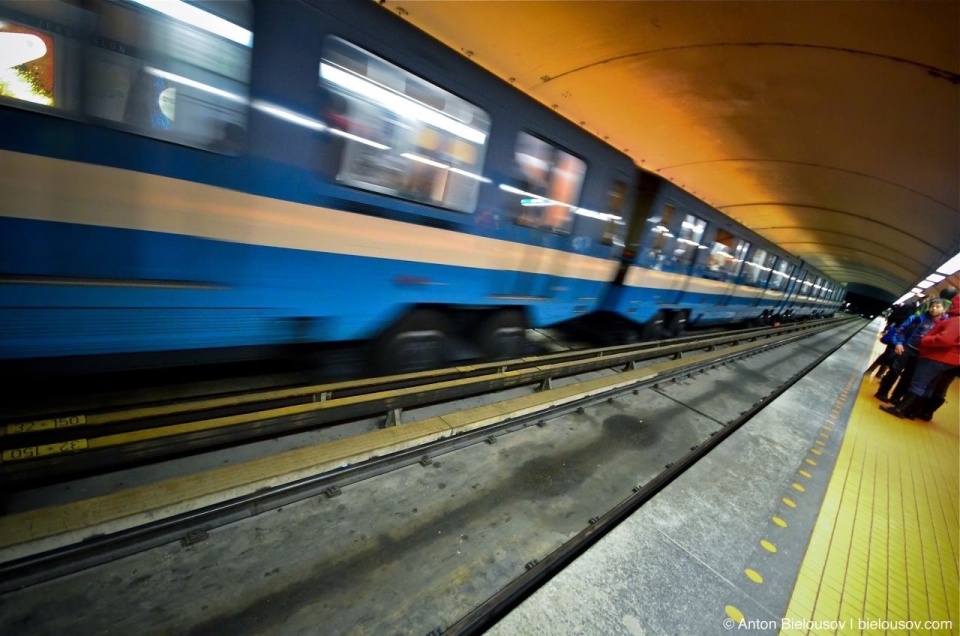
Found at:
<point>884,556</point>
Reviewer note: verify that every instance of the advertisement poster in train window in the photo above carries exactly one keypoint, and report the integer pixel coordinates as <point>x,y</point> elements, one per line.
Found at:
<point>109,81</point>
<point>27,64</point>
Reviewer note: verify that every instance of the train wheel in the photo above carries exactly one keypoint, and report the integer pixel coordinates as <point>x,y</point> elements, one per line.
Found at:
<point>678,324</point>
<point>502,335</point>
<point>653,328</point>
<point>417,343</point>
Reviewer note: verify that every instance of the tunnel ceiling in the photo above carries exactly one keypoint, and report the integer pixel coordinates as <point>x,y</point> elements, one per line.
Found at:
<point>830,128</point>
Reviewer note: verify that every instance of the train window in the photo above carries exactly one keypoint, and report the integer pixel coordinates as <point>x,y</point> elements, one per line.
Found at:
<point>613,232</point>
<point>39,49</point>
<point>796,281</point>
<point>660,239</point>
<point>735,265</point>
<point>818,288</point>
<point>550,182</point>
<point>172,70</point>
<point>780,276</point>
<point>767,270</point>
<point>689,240</point>
<point>726,256</point>
<point>753,271</point>
<point>399,134</point>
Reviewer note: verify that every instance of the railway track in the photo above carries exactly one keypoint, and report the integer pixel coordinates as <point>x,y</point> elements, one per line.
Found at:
<point>55,446</point>
<point>516,432</point>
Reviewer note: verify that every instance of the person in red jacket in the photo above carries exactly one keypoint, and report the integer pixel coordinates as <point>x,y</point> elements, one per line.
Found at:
<point>939,353</point>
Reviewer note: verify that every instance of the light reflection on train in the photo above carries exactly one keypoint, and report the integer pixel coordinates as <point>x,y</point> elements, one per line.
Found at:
<point>216,180</point>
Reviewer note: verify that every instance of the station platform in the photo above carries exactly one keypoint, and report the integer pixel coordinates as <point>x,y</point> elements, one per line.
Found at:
<point>822,515</point>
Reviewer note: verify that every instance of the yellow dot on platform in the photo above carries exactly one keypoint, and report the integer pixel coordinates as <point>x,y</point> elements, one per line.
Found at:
<point>816,451</point>
<point>819,443</point>
<point>790,502</point>
<point>824,436</point>
<point>797,486</point>
<point>769,547</point>
<point>780,522</point>
<point>805,474</point>
<point>753,575</point>
<point>734,613</point>
<point>810,461</point>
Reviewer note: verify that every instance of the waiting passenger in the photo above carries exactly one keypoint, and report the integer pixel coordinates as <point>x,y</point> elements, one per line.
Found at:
<point>897,317</point>
<point>906,341</point>
<point>936,394</point>
<point>939,353</point>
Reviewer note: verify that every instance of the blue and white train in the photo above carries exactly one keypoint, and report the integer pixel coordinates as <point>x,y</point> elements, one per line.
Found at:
<point>185,182</point>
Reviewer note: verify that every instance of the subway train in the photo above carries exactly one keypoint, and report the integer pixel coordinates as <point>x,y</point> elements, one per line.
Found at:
<point>209,181</point>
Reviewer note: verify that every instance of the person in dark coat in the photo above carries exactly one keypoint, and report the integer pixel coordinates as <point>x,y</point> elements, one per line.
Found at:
<point>896,318</point>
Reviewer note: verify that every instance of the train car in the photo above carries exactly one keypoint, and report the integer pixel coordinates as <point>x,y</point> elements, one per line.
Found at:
<point>223,179</point>
<point>685,263</point>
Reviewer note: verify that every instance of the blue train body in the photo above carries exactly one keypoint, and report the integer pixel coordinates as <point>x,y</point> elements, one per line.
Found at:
<point>220,180</point>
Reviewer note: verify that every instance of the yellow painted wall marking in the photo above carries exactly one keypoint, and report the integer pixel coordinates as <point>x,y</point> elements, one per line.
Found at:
<point>805,474</point>
<point>810,461</point>
<point>769,547</point>
<point>829,428</point>
<point>45,425</point>
<point>31,452</point>
<point>790,502</point>
<point>824,436</point>
<point>780,522</point>
<point>816,451</point>
<point>819,443</point>
<point>753,575</point>
<point>797,486</point>
<point>734,613</point>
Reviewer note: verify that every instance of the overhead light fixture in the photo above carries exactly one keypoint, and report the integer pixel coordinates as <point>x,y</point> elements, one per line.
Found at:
<point>951,267</point>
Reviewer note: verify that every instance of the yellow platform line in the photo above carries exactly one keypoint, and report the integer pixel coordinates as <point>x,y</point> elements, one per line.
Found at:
<point>885,548</point>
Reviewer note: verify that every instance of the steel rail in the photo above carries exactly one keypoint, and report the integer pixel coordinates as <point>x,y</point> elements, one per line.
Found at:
<point>194,525</point>
<point>77,456</point>
<point>47,421</point>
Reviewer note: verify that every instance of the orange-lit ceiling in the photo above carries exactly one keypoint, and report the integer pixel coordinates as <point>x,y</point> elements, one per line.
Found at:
<point>831,128</point>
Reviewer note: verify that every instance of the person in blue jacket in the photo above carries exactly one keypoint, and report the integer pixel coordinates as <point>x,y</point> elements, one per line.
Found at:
<point>906,347</point>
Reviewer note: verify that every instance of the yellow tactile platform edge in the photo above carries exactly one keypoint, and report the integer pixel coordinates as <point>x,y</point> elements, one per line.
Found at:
<point>883,555</point>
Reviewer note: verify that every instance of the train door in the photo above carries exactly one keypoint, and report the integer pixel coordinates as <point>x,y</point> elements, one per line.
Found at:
<point>689,232</point>
<point>724,263</point>
<point>656,255</point>
<point>779,285</point>
<point>792,302</point>
<point>544,201</point>
<point>770,283</point>
<point>754,277</point>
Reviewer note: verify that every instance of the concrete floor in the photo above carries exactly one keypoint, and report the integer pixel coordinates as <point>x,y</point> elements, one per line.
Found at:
<point>680,561</point>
